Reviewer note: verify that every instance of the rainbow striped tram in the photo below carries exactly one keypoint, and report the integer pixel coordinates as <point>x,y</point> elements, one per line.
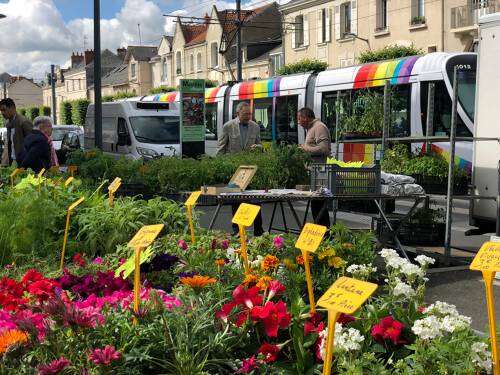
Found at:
<point>275,101</point>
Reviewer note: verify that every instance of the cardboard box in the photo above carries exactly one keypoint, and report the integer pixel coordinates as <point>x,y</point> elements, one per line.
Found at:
<point>241,178</point>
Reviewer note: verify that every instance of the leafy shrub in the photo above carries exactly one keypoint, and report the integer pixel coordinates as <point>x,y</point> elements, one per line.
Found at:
<point>120,95</point>
<point>79,111</point>
<point>389,53</point>
<point>32,113</point>
<point>66,113</point>
<point>303,66</point>
<point>44,110</point>
<point>21,111</point>
<point>367,115</point>
<point>162,89</point>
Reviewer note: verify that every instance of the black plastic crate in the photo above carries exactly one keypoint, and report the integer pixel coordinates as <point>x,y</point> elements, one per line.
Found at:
<point>439,185</point>
<point>412,234</point>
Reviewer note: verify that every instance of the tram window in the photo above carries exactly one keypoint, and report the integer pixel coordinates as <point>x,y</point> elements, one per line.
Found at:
<point>211,121</point>
<point>442,111</point>
<point>286,119</point>
<point>400,107</point>
<point>329,110</point>
<point>263,115</point>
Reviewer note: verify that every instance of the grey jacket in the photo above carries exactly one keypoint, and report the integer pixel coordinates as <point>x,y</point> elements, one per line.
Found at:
<point>230,140</point>
<point>22,127</point>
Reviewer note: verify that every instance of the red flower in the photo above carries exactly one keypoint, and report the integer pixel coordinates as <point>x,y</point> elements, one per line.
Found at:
<point>273,315</point>
<point>224,312</point>
<point>248,365</point>
<point>247,297</point>
<point>388,329</point>
<point>345,319</point>
<point>54,367</point>
<point>104,356</point>
<point>269,351</point>
<point>314,325</point>
<point>79,260</point>
<point>11,294</point>
<point>275,288</point>
<point>43,289</point>
<point>31,276</point>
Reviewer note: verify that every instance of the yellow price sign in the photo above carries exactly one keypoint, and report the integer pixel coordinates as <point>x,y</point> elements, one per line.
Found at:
<point>14,174</point>
<point>145,236</point>
<point>66,229</point>
<point>487,258</point>
<point>128,267</point>
<point>246,214</point>
<point>310,238</point>
<point>346,295</point>
<point>40,174</point>
<point>193,198</point>
<point>76,203</point>
<point>68,181</point>
<point>113,187</point>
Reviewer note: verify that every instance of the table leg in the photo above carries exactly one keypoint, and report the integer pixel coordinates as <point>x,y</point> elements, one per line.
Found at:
<point>284,218</point>
<point>214,217</point>
<point>392,231</point>
<point>294,215</point>
<point>306,213</point>
<point>322,211</point>
<point>272,217</point>
<point>409,214</point>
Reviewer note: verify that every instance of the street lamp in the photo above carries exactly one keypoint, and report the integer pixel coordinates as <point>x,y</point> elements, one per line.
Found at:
<point>355,36</point>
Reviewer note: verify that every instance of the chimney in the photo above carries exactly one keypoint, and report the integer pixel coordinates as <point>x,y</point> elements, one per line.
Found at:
<point>121,52</point>
<point>76,59</point>
<point>88,56</point>
<point>207,19</point>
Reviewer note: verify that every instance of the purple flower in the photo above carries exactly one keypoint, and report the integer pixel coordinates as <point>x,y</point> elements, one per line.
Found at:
<point>213,245</point>
<point>54,367</point>
<point>104,356</point>
<point>224,244</point>
<point>182,244</point>
<point>163,262</point>
<point>278,242</point>
<point>186,274</point>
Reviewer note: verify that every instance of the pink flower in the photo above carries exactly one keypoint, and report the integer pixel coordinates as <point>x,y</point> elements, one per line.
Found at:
<point>225,311</point>
<point>54,367</point>
<point>273,316</point>
<point>104,356</point>
<point>278,242</point>
<point>275,288</point>
<point>182,244</point>
<point>98,260</point>
<point>6,322</point>
<point>248,365</point>
<point>247,297</point>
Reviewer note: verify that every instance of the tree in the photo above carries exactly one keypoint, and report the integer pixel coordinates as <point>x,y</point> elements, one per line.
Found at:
<point>44,110</point>
<point>32,113</point>
<point>79,111</point>
<point>303,66</point>
<point>389,53</point>
<point>66,113</point>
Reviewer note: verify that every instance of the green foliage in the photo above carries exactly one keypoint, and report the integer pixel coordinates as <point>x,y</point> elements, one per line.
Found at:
<point>44,110</point>
<point>162,89</point>
<point>389,52</point>
<point>209,83</point>
<point>79,111</point>
<point>120,95</point>
<point>21,111</point>
<point>32,113</point>
<point>303,66</point>
<point>367,114</point>
<point>66,112</point>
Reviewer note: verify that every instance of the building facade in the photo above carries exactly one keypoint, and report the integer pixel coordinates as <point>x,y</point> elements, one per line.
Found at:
<point>338,31</point>
<point>23,91</point>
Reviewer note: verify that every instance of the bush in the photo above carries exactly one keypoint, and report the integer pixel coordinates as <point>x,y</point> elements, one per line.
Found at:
<point>389,53</point>
<point>303,66</point>
<point>44,110</point>
<point>66,113</point>
<point>32,113</point>
<point>120,95</point>
<point>21,111</point>
<point>79,111</point>
<point>162,89</point>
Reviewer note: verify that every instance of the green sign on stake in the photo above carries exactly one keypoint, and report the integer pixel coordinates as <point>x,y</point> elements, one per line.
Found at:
<point>192,93</point>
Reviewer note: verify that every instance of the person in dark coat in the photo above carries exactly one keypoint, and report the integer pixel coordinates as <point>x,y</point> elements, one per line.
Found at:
<point>18,128</point>
<point>37,153</point>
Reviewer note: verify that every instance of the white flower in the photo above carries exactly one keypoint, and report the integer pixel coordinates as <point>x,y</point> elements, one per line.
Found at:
<point>410,269</point>
<point>425,260</point>
<point>403,289</point>
<point>344,340</point>
<point>451,323</point>
<point>388,253</point>
<point>442,308</point>
<point>427,328</point>
<point>256,263</point>
<point>481,356</point>
<point>396,262</point>
<point>361,271</point>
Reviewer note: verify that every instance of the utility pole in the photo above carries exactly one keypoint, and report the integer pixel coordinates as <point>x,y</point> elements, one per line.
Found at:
<point>140,38</point>
<point>4,90</point>
<point>53,87</point>
<point>97,75</point>
<point>239,57</point>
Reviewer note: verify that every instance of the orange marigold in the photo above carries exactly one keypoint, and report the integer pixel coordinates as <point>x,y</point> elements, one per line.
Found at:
<point>263,282</point>
<point>10,338</point>
<point>270,262</point>
<point>220,262</point>
<point>300,260</point>
<point>197,281</point>
<point>249,279</point>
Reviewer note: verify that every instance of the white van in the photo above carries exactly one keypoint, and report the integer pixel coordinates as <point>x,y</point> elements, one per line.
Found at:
<point>136,129</point>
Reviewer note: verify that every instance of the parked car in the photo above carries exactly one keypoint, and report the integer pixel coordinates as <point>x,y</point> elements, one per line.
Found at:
<point>58,132</point>
<point>71,141</point>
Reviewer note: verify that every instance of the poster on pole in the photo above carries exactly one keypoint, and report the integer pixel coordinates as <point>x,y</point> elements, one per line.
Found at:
<point>192,92</point>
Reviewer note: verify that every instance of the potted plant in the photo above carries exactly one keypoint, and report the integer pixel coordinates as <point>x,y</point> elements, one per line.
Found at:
<point>418,20</point>
<point>366,118</point>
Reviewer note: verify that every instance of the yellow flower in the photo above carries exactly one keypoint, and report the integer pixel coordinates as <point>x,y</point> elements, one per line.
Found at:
<point>270,262</point>
<point>249,279</point>
<point>336,262</point>
<point>10,338</point>
<point>326,253</point>
<point>197,281</point>
<point>263,282</point>
<point>289,264</point>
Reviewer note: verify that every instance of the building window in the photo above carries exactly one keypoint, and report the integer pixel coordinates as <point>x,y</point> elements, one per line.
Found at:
<point>191,63</point>
<point>178,63</point>
<point>345,19</point>
<point>198,62</point>
<point>381,15</point>
<point>133,70</point>
<point>324,25</point>
<point>214,55</point>
<point>164,70</point>
<point>299,32</point>
<point>276,64</point>
<point>417,12</point>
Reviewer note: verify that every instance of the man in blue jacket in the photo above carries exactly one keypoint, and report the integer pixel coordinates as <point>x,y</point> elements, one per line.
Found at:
<point>37,154</point>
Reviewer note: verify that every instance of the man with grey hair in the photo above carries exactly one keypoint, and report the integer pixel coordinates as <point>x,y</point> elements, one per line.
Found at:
<point>37,151</point>
<point>241,133</point>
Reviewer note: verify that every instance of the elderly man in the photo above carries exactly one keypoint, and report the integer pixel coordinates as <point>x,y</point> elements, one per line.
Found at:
<point>318,144</point>
<point>18,128</point>
<point>241,134</point>
<point>37,149</point>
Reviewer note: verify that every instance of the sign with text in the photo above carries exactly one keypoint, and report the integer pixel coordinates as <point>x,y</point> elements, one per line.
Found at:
<point>347,295</point>
<point>192,93</point>
<point>68,181</point>
<point>193,198</point>
<point>128,267</point>
<point>487,258</point>
<point>246,214</point>
<point>113,187</point>
<point>145,236</point>
<point>310,238</point>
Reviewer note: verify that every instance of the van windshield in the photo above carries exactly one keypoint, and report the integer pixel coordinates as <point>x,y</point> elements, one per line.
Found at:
<point>156,129</point>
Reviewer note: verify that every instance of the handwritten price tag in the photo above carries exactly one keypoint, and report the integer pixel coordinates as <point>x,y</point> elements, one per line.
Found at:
<point>310,238</point>
<point>40,174</point>
<point>246,214</point>
<point>347,295</point>
<point>193,198</point>
<point>145,236</point>
<point>113,187</point>
<point>487,258</point>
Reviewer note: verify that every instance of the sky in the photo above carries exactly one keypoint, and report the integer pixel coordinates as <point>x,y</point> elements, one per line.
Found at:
<point>38,33</point>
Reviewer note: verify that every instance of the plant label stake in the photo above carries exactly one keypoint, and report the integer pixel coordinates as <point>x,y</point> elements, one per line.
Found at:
<point>308,242</point>
<point>68,181</point>
<point>72,170</point>
<point>112,188</point>
<point>14,174</point>
<point>66,230</point>
<point>244,217</point>
<point>487,260</point>
<point>346,295</point>
<point>142,239</point>
<point>39,176</point>
<point>190,203</point>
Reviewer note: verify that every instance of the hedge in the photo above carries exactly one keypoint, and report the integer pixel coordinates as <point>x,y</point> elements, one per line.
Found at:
<point>66,113</point>
<point>120,95</point>
<point>303,66</point>
<point>32,113</point>
<point>44,110</point>
<point>79,111</point>
<point>389,53</point>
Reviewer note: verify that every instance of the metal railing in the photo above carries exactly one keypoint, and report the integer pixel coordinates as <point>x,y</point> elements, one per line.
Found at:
<point>468,15</point>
